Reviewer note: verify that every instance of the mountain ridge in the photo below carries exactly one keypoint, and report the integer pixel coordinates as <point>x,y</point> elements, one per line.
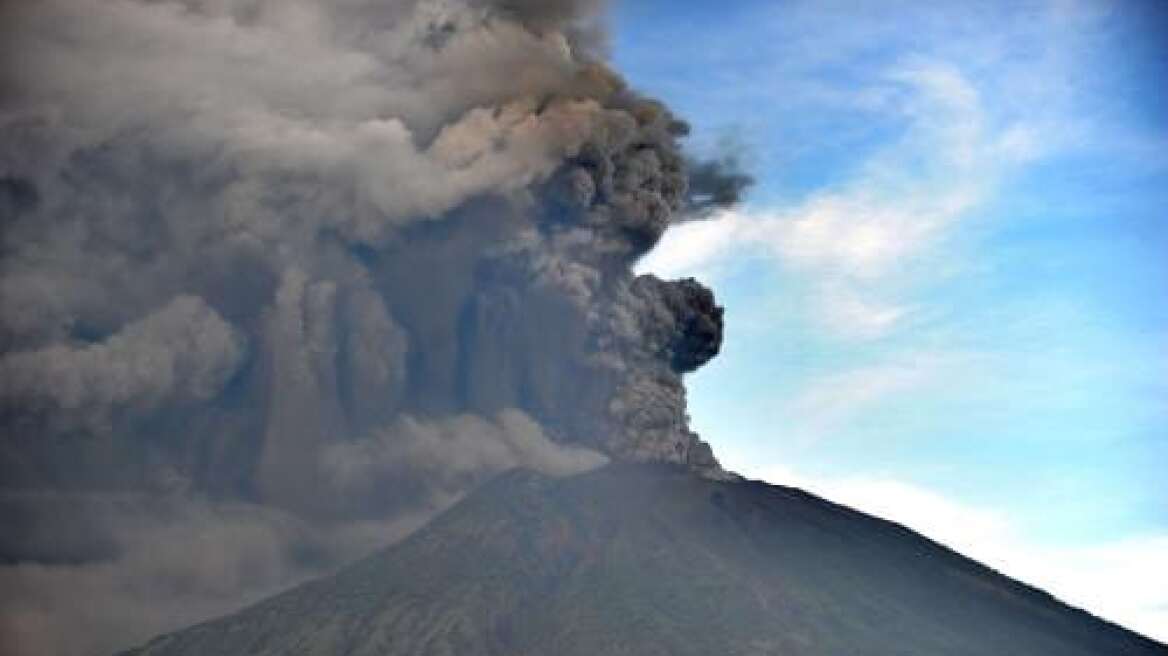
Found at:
<point>650,559</point>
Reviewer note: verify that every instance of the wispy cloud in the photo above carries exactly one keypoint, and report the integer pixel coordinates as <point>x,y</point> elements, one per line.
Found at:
<point>832,401</point>
<point>853,244</point>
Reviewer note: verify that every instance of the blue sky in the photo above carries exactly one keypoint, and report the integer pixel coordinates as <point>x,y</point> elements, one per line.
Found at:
<point>946,296</point>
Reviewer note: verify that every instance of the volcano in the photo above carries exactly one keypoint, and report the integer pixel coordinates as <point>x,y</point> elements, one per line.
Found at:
<point>653,559</point>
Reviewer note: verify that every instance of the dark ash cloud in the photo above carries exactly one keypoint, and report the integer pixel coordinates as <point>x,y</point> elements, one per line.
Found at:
<point>281,279</point>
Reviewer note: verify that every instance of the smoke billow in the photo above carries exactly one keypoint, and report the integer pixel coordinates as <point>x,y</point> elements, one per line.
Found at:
<point>280,279</point>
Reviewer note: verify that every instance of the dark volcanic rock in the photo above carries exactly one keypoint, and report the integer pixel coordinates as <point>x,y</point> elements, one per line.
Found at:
<point>653,560</point>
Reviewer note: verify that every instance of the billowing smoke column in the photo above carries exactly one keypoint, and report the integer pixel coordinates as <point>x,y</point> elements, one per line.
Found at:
<point>280,279</point>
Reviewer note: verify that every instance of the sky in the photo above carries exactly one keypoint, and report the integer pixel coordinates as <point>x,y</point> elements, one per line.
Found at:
<point>945,296</point>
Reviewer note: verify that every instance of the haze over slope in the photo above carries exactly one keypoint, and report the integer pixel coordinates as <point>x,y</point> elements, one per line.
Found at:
<point>650,559</point>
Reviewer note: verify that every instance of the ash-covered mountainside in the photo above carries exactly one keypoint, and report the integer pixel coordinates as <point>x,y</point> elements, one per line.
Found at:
<point>643,559</point>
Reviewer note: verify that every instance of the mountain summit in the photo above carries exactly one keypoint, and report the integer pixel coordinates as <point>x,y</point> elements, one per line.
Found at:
<point>651,559</point>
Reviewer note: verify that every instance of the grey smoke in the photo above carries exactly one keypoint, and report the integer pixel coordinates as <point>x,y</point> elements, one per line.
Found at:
<point>281,279</point>
<point>184,353</point>
<point>717,183</point>
<point>440,457</point>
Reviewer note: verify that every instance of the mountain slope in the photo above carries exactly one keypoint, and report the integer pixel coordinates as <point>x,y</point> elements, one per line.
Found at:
<point>652,560</point>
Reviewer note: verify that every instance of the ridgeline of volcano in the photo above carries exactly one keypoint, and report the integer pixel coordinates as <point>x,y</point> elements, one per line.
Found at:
<point>651,559</point>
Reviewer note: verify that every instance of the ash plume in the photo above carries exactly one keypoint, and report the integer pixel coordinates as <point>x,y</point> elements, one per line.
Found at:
<point>281,279</point>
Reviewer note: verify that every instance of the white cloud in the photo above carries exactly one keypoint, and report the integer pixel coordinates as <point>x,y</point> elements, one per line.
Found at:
<point>835,403</point>
<point>836,398</point>
<point>856,314</point>
<point>1124,580</point>
<point>696,247</point>
<point>856,244</point>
